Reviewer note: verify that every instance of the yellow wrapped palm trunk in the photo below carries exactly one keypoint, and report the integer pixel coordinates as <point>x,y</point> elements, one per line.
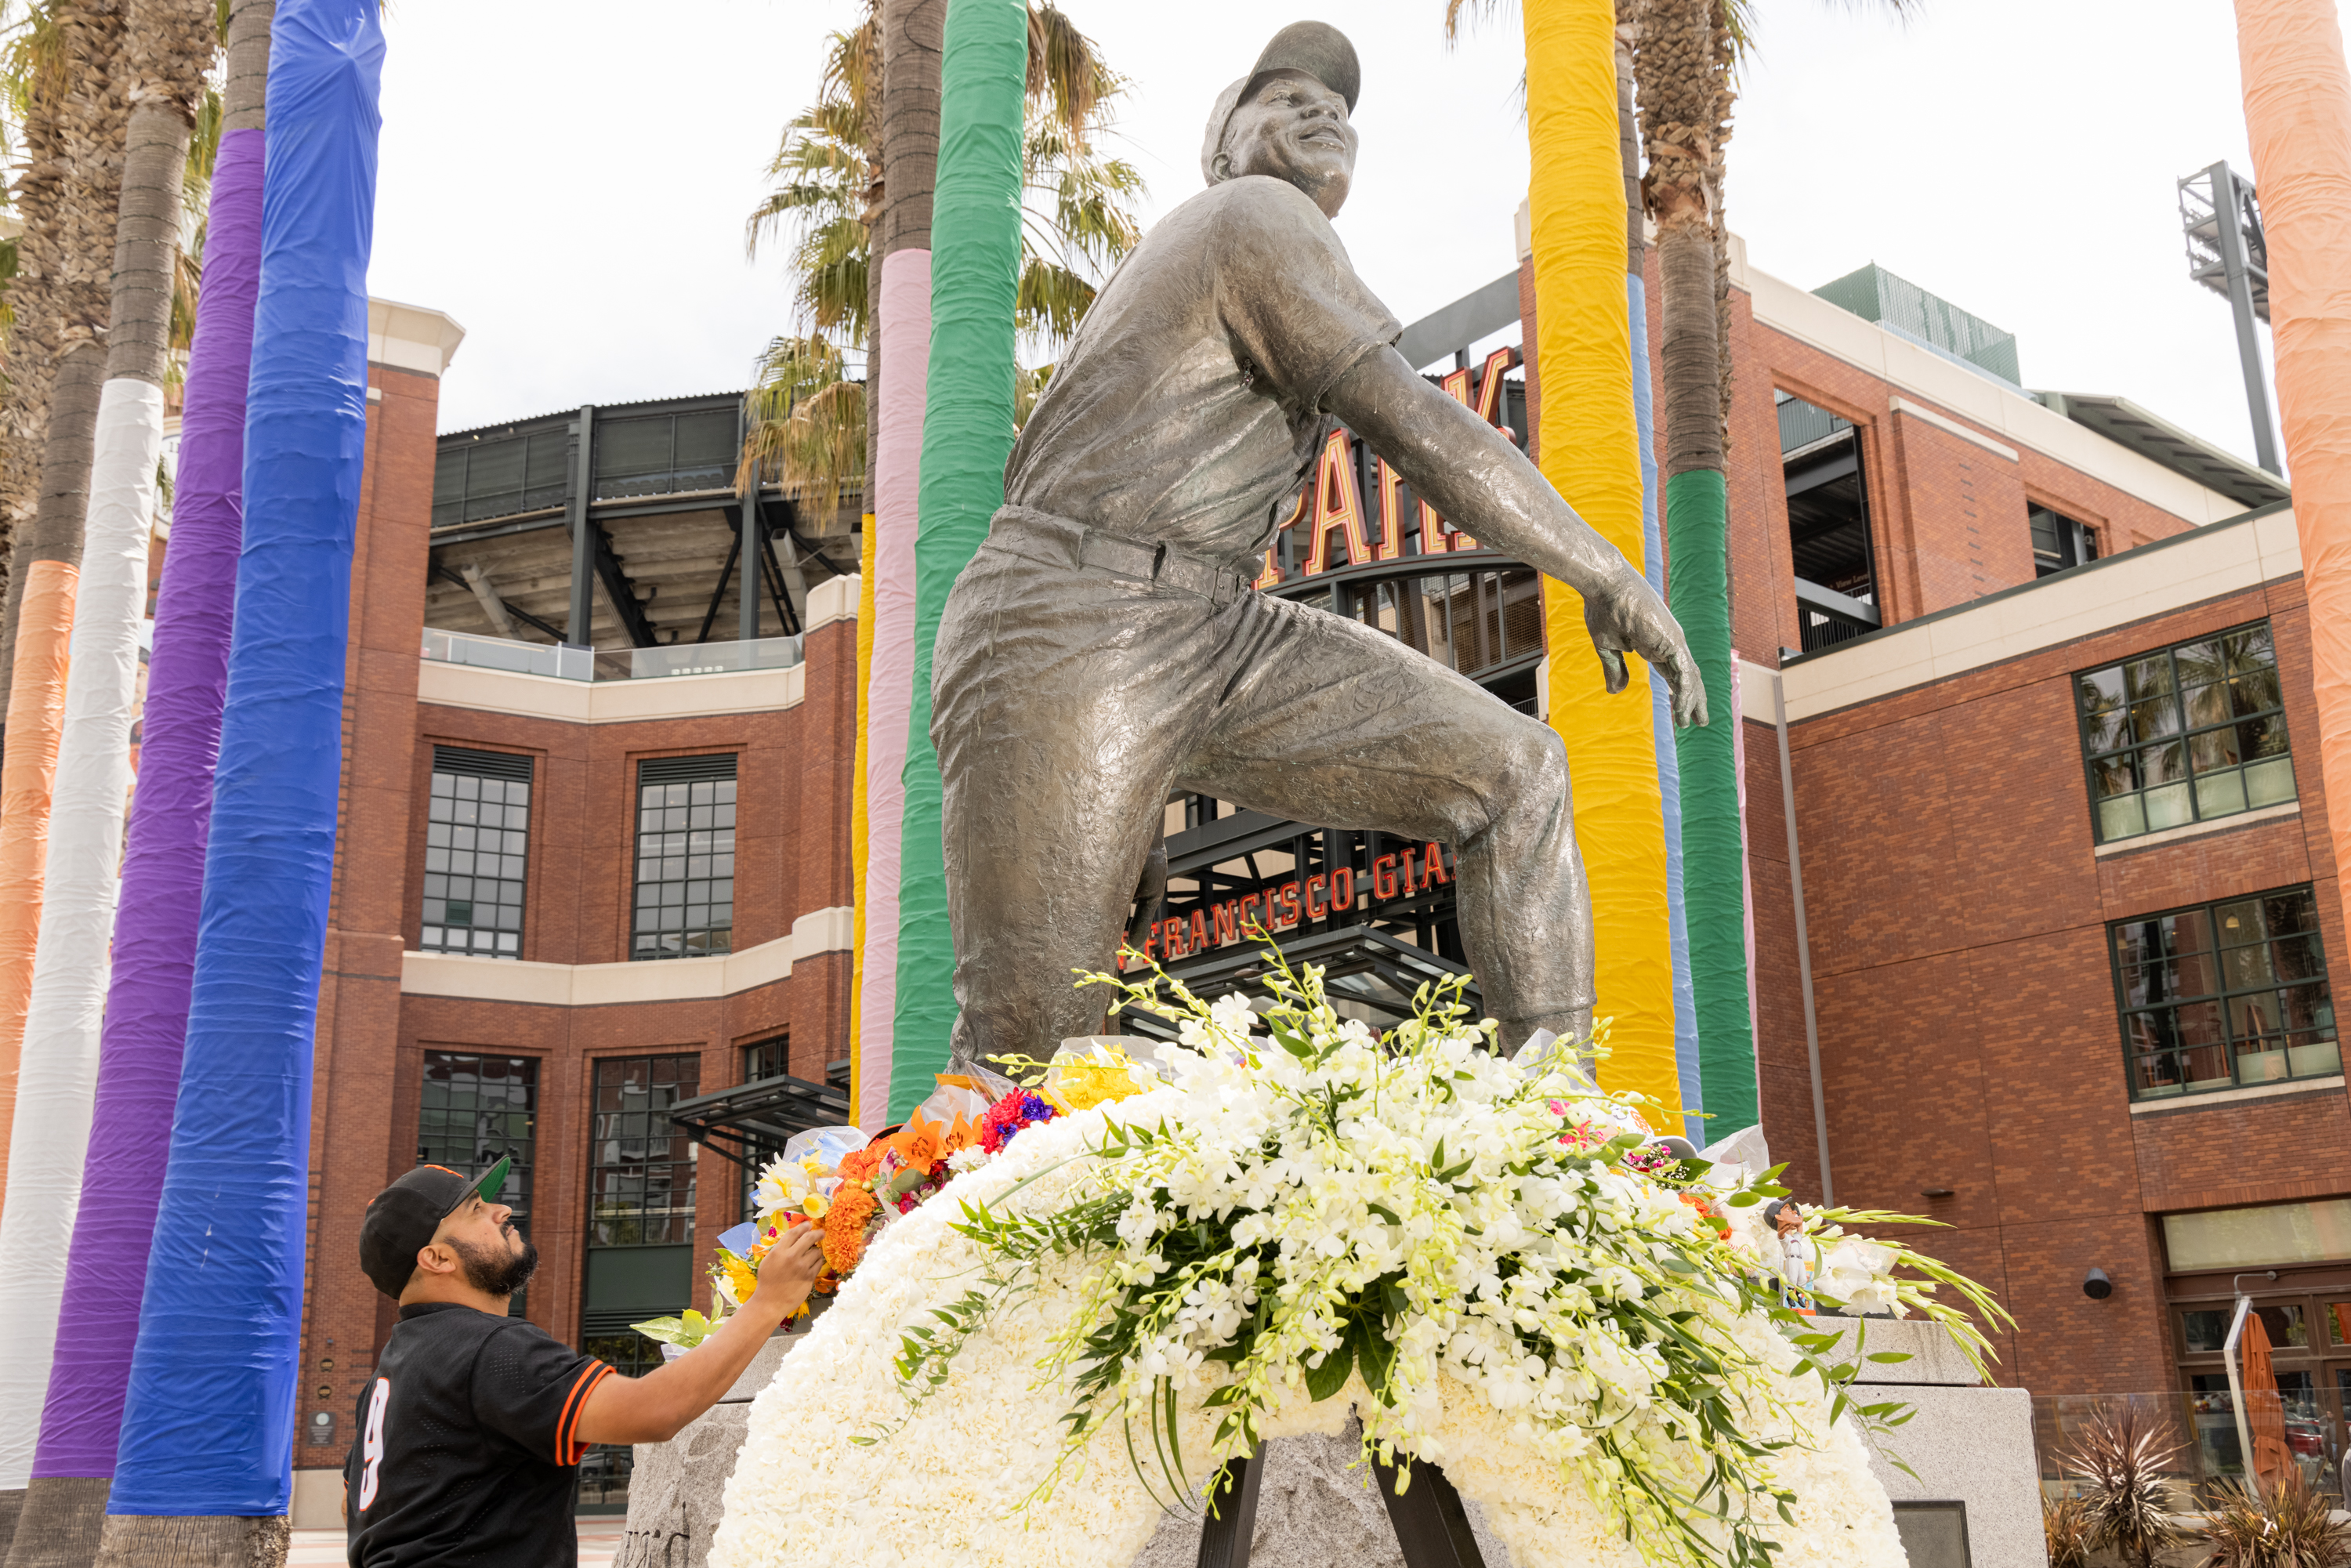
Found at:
<point>1591,454</point>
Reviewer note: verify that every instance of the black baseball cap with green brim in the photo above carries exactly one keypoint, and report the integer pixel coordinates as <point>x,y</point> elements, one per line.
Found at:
<point>401,1218</point>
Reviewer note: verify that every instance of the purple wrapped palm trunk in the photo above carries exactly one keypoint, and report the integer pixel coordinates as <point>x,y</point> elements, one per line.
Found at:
<point>164,865</point>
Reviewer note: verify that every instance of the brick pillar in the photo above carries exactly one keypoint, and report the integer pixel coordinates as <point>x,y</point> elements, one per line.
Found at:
<point>353,1149</point>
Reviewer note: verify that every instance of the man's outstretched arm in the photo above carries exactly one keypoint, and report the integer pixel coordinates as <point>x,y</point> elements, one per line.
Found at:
<point>654,1408</point>
<point>1470,471</point>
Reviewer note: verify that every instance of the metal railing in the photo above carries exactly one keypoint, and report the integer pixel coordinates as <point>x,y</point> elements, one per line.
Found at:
<point>565,663</point>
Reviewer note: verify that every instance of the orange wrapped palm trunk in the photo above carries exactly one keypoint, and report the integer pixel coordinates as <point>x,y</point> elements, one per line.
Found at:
<point>2298,120</point>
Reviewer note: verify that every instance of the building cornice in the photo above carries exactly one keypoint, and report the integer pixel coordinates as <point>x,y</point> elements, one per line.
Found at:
<point>2153,580</point>
<point>470,978</point>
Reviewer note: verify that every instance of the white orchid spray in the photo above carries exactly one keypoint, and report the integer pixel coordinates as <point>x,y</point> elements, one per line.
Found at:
<point>1318,1201</point>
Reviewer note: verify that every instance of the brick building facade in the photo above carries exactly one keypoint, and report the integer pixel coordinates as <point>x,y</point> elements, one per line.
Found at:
<point>1976,883</point>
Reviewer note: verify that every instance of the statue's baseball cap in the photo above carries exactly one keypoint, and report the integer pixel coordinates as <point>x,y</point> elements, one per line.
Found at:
<point>1318,49</point>
<point>401,1218</point>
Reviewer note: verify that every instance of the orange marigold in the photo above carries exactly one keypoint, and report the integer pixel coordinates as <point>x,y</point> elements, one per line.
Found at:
<point>861,1165</point>
<point>845,1228</point>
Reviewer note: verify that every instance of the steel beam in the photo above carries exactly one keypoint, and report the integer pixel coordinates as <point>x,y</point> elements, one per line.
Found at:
<point>525,616</point>
<point>582,484</point>
<point>619,590</point>
<point>725,573</point>
<point>750,531</point>
<point>2229,200</point>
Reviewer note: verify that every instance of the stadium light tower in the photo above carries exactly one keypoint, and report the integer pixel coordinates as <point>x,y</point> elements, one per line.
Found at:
<point>2227,255</point>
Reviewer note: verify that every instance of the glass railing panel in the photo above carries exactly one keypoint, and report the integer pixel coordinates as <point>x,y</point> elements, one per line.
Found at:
<point>560,661</point>
<point>712,658</point>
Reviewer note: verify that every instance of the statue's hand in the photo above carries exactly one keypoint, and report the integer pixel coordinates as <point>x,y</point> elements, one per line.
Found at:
<point>1629,617</point>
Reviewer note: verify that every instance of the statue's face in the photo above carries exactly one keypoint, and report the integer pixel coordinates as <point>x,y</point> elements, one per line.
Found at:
<point>1294,129</point>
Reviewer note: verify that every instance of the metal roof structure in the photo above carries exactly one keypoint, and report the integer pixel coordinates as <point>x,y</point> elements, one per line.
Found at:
<point>2150,435</point>
<point>635,531</point>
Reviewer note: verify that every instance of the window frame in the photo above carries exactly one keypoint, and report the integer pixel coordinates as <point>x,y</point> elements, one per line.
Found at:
<point>504,770</point>
<point>597,1139</point>
<point>725,798</point>
<point>2230,1042</point>
<point>2183,737</point>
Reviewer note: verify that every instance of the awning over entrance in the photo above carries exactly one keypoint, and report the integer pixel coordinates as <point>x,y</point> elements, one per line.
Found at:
<point>1361,964</point>
<point>756,1118</point>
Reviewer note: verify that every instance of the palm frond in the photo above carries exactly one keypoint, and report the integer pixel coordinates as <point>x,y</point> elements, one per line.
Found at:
<point>807,426</point>
<point>1066,77</point>
<point>1471,12</point>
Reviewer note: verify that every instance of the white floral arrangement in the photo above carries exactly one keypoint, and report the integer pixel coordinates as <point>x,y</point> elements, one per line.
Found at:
<point>1487,1259</point>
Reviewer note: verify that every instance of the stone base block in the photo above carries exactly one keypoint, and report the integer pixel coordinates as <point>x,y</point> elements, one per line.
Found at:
<point>1312,1511</point>
<point>1971,1446</point>
<point>676,1491</point>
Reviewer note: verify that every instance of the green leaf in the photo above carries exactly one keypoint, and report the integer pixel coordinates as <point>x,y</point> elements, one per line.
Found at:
<point>1383,1212</point>
<point>1369,1339</point>
<point>1324,1381</point>
<point>1889,1356</point>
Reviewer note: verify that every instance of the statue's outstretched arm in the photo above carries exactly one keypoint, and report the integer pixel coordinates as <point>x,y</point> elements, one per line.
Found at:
<point>1470,471</point>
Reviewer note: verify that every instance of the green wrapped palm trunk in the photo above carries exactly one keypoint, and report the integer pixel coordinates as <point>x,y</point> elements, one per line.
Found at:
<point>966,439</point>
<point>1714,866</point>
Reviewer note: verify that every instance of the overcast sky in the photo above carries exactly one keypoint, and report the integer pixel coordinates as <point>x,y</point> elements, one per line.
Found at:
<point>571,183</point>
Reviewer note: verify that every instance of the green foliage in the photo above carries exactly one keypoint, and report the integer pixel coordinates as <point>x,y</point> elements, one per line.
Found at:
<point>825,199</point>
<point>685,1330</point>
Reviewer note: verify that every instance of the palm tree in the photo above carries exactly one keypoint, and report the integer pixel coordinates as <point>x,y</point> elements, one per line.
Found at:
<point>1684,58</point>
<point>165,52</point>
<point>77,113</point>
<point>831,197</point>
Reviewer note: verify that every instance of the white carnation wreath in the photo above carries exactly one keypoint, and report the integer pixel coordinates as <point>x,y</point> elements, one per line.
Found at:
<point>1030,1368</point>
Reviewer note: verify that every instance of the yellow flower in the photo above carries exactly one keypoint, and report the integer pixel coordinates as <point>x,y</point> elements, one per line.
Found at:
<point>814,1205</point>
<point>1081,1083</point>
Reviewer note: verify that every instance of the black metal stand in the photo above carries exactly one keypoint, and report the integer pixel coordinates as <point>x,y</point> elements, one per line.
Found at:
<point>1225,1538</point>
<point>1431,1526</point>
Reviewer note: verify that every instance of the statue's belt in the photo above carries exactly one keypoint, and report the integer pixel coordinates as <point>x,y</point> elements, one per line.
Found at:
<point>1042,536</point>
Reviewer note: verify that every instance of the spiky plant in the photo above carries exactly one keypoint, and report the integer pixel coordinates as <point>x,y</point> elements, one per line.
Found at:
<point>2292,1527</point>
<point>2065,1528</point>
<point>2123,1459</point>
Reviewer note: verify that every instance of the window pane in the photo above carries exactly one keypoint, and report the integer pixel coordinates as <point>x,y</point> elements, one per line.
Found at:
<point>2168,808</point>
<point>2205,1329</point>
<point>459,925</point>
<point>2220,794</point>
<point>2162,763</point>
<point>2155,719</point>
<point>2147,677</point>
<point>685,886</point>
<point>2269,782</point>
<point>2213,748</point>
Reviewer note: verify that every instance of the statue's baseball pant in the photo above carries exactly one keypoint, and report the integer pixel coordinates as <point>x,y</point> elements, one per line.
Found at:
<point>1071,697</point>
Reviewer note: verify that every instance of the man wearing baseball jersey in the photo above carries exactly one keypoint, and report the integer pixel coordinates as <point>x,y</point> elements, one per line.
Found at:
<point>471,1433</point>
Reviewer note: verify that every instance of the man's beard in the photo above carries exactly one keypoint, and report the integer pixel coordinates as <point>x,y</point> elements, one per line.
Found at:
<point>497,1272</point>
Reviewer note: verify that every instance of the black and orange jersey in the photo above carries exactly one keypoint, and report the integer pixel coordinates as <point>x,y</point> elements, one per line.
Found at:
<point>467,1446</point>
